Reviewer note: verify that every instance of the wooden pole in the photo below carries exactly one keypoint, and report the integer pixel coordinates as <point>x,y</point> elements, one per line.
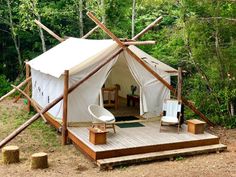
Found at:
<point>32,102</point>
<point>148,28</point>
<point>49,31</point>
<point>65,108</point>
<point>139,42</point>
<point>179,84</point>
<point>27,90</point>
<point>13,90</point>
<point>90,32</point>
<point>54,102</point>
<point>139,60</point>
<point>19,96</point>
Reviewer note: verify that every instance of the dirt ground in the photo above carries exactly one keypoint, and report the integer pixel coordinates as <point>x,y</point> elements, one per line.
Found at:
<point>68,161</point>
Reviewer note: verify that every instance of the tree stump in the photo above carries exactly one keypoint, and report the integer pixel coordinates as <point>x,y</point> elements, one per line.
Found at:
<point>39,160</point>
<point>10,154</point>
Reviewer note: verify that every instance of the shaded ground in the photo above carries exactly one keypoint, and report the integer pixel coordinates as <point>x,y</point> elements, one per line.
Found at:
<point>67,161</point>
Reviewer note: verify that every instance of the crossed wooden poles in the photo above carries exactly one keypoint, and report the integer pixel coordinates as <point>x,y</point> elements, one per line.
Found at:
<point>64,95</point>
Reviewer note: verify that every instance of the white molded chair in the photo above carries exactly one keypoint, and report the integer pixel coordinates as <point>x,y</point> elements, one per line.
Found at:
<point>171,109</point>
<point>102,116</point>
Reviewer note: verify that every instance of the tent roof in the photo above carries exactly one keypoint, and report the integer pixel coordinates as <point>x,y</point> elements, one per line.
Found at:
<point>75,54</point>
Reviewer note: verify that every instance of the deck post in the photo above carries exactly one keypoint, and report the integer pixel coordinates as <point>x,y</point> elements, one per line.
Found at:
<point>27,89</point>
<point>65,108</point>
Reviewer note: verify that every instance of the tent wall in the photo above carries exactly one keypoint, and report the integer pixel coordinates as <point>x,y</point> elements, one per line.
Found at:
<point>152,91</point>
<point>45,89</point>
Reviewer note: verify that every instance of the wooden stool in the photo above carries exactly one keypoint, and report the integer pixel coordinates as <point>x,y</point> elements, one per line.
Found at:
<point>196,126</point>
<point>39,160</point>
<point>97,136</point>
<point>10,154</point>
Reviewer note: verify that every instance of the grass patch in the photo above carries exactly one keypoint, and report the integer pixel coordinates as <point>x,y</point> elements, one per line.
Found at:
<point>178,158</point>
<point>39,132</point>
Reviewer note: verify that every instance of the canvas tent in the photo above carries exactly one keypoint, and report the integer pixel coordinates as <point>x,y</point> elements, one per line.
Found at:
<point>80,57</point>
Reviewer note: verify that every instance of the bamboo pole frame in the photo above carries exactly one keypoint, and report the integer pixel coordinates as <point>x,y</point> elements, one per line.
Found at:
<point>139,60</point>
<point>65,108</point>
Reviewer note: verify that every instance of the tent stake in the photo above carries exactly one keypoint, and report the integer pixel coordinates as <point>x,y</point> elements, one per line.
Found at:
<point>65,108</point>
<point>140,61</point>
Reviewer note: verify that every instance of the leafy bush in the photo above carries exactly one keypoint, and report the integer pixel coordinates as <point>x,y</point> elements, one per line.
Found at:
<point>4,86</point>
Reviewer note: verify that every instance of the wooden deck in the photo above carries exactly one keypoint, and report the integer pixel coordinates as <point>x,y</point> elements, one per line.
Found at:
<point>138,140</point>
<point>141,144</point>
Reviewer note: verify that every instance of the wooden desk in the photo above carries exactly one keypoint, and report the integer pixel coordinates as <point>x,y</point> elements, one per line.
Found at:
<point>132,98</point>
<point>97,136</point>
<point>196,126</point>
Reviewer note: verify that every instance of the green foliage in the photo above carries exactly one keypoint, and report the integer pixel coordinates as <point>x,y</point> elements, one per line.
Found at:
<point>4,86</point>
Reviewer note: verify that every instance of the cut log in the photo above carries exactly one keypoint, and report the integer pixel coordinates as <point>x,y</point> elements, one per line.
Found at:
<point>10,154</point>
<point>13,90</point>
<point>39,160</point>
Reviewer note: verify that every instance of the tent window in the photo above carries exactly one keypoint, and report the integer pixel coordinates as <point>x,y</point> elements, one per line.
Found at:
<point>48,99</point>
<point>39,89</point>
<point>42,93</point>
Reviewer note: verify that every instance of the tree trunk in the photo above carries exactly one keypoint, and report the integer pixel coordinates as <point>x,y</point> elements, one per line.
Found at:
<point>13,35</point>
<point>133,18</point>
<point>103,12</point>
<point>41,36</point>
<point>81,24</point>
<point>231,108</point>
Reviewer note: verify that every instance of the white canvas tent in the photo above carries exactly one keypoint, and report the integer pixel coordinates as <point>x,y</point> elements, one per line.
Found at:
<point>80,57</point>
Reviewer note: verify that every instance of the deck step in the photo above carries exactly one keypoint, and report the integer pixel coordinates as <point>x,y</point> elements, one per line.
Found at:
<point>109,163</point>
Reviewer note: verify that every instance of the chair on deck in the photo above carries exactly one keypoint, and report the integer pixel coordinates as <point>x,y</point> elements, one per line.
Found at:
<point>171,113</point>
<point>102,117</point>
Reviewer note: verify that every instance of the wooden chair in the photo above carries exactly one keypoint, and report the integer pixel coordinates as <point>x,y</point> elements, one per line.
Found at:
<point>110,96</point>
<point>171,113</point>
<point>102,117</point>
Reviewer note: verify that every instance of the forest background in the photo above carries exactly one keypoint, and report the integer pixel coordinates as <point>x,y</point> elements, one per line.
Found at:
<point>197,35</point>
